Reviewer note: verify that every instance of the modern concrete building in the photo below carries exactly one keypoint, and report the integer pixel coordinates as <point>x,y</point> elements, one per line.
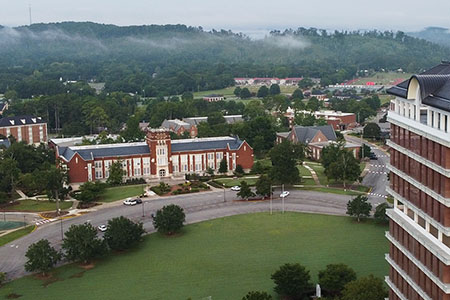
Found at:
<point>419,229</point>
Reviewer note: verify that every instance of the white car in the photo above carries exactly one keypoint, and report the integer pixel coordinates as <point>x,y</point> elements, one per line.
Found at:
<point>130,201</point>
<point>236,188</point>
<point>102,228</point>
<point>284,194</point>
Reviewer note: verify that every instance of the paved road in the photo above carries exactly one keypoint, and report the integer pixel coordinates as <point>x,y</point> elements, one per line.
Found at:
<point>376,178</point>
<point>198,207</point>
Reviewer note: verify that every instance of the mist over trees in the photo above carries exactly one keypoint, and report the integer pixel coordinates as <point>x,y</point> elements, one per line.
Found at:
<point>173,59</point>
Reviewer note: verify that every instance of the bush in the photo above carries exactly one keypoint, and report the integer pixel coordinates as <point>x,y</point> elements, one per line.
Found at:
<point>41,257</point>
<point>366,288</point>
<point>2,278</point>
<point>334,278</point>
<point>161,189</point>
<point>380,213</point>
<point>82,244</point>
<point>257,296</point>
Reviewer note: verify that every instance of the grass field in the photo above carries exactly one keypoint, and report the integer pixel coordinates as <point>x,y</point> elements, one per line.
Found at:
<point>318,168</point>
<point>121,192</point>
<point>229,182</point>
<point>223,258</point>
<point>331,190</point>
<point>383,78</point>
<point>229,91</point>
<point>5,239</point>
<point>37,206</point>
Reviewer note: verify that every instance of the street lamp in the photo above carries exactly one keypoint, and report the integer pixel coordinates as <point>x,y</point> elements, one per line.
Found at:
<point>224,200</point>
<point>62,231</point>
<point>143,208</point>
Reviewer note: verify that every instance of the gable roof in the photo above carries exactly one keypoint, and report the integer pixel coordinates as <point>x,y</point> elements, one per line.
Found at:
<point>107,150</point>
<point>206,144</point>
<point>20,120</point>
<point>434,86</point>
<point>304,134</point>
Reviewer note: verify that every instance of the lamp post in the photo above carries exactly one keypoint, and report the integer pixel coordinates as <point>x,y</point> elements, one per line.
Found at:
<point>62,231</point>
<point>224,200</point>
<point>143,208</point>
<point>271,198</point>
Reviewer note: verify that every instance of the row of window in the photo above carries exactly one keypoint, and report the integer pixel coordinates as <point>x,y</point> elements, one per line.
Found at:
<point>422,146</point>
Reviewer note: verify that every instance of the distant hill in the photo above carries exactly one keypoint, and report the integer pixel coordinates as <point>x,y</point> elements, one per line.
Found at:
<point>177,58</point>
<point>438,35</point>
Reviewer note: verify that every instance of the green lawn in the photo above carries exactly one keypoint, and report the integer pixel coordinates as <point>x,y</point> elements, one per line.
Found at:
<point>37,206</point>
<point>229,182</point>
<point>331,190</point>
<point>121,192</point>
<point>223,258</point>
<point>318,168</point>
<point>5,239</point>
<point>229,91</point>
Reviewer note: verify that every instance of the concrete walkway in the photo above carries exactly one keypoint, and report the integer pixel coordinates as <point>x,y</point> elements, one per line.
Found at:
<point>313,174</point>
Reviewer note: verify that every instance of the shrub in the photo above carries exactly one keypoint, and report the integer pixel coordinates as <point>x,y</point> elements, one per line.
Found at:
<point>169,219</point>
<point>122,233</point>
<point>293,281</point>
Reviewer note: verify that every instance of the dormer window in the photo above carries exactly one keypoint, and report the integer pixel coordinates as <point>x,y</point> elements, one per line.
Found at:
<point>33,119</point>
<point>11,121</point>
<point>23,121</point>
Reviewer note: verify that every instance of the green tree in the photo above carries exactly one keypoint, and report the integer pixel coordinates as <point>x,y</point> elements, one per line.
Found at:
<point>245,191</point>
<point>81,243</point>
<point>292,281</point>
<point>91,191</point>
<point>239,170</point>
<point>339,163</point>
<point>380,213</point>
<point>285,157</point>
<point>372,131</point>
<point>263,91</point>
<point>274,89</point>
<point>364,150</point>
<point>223,166</point>
<point>215,118</point>
<point>132,132</point>
<point>313,104</point>
<point>305,83</point>
<point>122,233</point>
<point>359,207</point>
<point>169,219</point>
<point>9,175</point>
<point>2,278</point>
<point>263,186</point>
<point>334,278</point>
<point>245,93</point>
<point>297,94</point>
<point>365,288</point>
<point>187,96</point>
<point>41,257</point>
<point>237,91</point>
<point>56,179</point>
<point>255,295</point>
<point>116,173</point>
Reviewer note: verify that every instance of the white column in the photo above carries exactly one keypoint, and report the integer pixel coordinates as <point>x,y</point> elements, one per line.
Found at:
<point>440,236</point>
<point>442,127</point>
<point>429,114</point>
<point>435,119</point>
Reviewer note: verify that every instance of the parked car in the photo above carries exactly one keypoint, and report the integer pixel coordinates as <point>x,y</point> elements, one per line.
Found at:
<point>373,156</point>
<point>138,200</point>
<point>130,201</point>
<point>236,188</point>
<point>102,228</point>
<point>284,194</point>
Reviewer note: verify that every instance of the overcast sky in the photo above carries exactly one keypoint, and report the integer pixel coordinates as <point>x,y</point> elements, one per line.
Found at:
<point>239,15</point>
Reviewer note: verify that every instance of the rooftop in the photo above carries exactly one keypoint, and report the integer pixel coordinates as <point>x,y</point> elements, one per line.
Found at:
<point>20,120</point>
<point>434,86</point>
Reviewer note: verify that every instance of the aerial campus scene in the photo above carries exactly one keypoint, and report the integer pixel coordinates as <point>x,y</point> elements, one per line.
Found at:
<point>206,150</point>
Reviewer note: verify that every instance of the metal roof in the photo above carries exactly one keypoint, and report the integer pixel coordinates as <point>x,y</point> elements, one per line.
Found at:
<point>206,144</point>
<point>20,120</point>
<point>434,86</point>
<point>305,134</point>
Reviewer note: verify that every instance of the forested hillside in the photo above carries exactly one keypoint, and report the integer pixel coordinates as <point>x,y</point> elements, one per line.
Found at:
<point>172,59</point>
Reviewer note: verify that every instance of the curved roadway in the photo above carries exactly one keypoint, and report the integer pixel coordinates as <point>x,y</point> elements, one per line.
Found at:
<point>198,207</point>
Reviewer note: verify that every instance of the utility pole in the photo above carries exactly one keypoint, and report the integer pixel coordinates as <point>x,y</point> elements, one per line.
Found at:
<point>143,209</point>
<point>224,200</point>
<point>362,142</point>
<point>62,231</point>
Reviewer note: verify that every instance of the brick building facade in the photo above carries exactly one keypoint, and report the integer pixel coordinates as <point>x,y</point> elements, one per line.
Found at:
<point>419,230</point>
<point>157,158</point>
<point>28,129</point>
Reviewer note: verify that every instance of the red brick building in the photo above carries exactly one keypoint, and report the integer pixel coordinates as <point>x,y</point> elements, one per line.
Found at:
<point>339,120</point>
<point>157,158</point>
<point>419,230</point>
<point>316,138</point>
<point>28,129</point>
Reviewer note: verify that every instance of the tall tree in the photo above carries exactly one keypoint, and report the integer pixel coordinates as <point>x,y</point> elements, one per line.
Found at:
<point>132,132</point>
<point>372,131</point>
<point>245,191</point>
<point>292,281</point>
<point>339,163</point>
<point>116,173</point>
<point>237,91</point>
<point>245,93</point>
<point>122,233</point>
<point>334,278</point>
<point>285,157</point>
<point>223,166</point>
<point>263,186</point>
<point>81,243</point>
<point>380,213</point>
<point>56,179</point>
<point>359,207</point>
<point>169,219</point>
<point>41,257</point>
<point>297,94</point>
<point>263,91</point>
<point>274,89</point>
